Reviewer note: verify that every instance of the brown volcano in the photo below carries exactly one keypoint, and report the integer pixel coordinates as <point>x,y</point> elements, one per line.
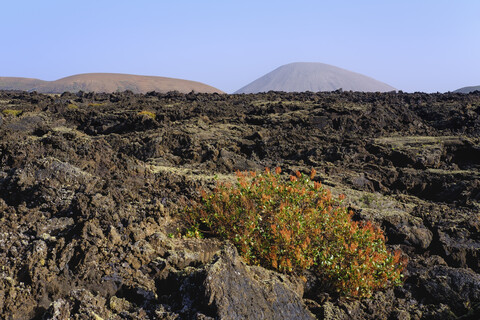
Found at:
<point>14,83</point>
<point>106,82</point>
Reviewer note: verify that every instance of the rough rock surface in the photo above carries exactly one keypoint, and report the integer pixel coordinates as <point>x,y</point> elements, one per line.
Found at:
<point>228,289</point>
<point>90,184</point>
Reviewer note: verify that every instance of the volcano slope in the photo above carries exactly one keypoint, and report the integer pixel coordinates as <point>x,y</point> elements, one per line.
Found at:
<point>90,187</point>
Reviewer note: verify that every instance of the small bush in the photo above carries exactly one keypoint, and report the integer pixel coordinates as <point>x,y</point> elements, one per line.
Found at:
<point>12,112</point>
<point>148,114</point>
<point>294,225</point>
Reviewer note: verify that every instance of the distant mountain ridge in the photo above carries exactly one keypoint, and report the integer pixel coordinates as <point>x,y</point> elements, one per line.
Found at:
<point>16,83</point>
<point>468,89</point>
<point>314,76</point>
<point>105,82</point>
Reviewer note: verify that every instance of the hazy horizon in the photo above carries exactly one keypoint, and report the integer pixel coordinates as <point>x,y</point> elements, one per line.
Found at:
<point>424,46</point>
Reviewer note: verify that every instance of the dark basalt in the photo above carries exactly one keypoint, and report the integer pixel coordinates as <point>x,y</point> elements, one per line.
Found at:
<point>89,188</point>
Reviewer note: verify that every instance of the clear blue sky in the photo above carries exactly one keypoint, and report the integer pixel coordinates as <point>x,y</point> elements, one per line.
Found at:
<point>412,45</point>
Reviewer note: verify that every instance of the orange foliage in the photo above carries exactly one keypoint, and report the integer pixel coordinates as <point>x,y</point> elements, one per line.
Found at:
<point>296,224</point>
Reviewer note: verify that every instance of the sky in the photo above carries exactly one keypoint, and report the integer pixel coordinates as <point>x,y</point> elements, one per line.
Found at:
<point>421,45</point>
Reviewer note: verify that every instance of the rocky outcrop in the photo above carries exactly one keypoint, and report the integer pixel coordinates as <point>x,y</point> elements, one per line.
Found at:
<point>228,289</point>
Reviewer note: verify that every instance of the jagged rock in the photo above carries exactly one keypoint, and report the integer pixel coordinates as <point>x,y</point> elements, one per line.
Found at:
<point>241,292</point>
<point>458,289</point>
<point>228,289</point>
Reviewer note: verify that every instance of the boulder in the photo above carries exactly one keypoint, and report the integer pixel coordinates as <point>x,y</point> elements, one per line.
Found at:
<point>228,289</point>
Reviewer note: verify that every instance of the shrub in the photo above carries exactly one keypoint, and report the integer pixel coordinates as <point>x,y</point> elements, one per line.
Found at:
<point>295,225</point>
<point>148,114</point>
<point>12,112</point>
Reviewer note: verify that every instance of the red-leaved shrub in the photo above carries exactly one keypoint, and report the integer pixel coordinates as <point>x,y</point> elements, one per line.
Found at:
<point>295,224</point>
